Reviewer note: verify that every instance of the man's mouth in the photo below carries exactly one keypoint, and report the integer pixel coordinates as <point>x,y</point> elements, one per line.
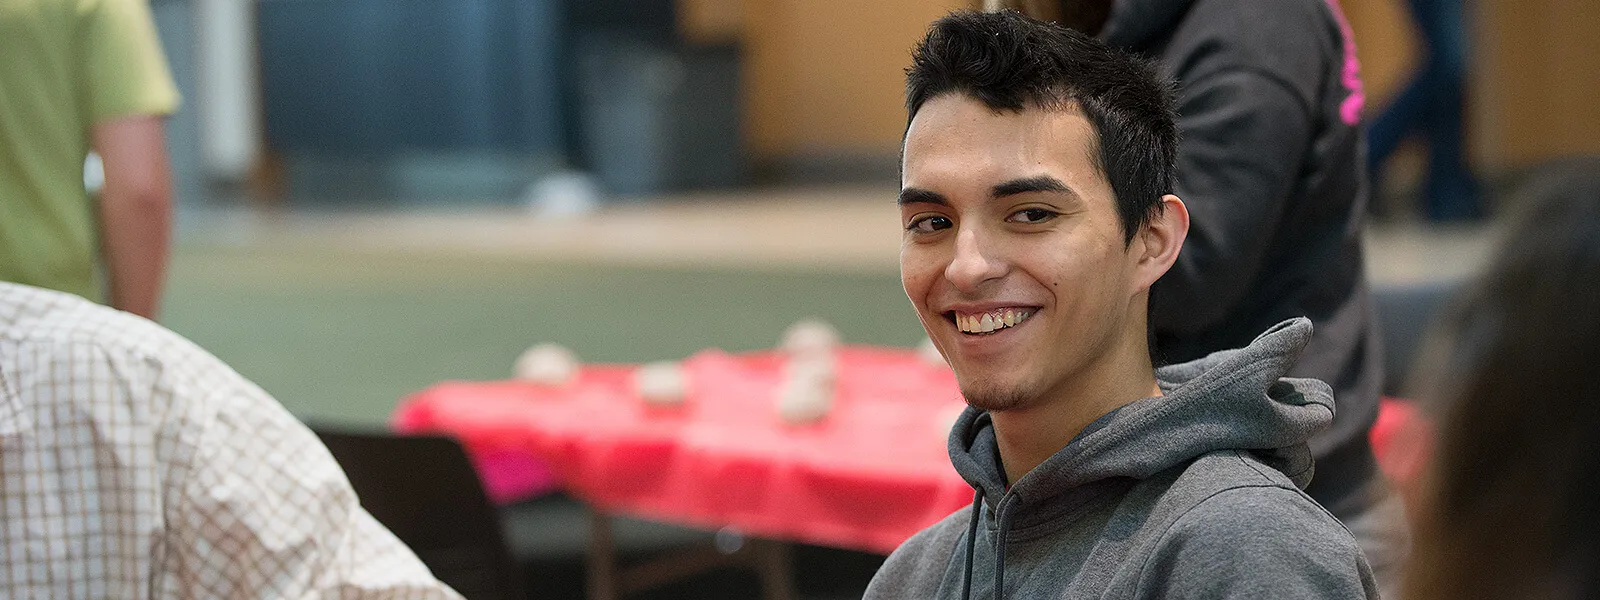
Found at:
<point>989,322</point>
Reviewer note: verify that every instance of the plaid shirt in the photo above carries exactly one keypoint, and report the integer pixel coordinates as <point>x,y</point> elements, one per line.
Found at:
<point>133,464</point>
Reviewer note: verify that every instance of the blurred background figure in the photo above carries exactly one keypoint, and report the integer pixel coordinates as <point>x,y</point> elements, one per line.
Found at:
<point>1511,505</point>
<point>1269,163</point>
<point>75,76</point>
<point>1433,106</point>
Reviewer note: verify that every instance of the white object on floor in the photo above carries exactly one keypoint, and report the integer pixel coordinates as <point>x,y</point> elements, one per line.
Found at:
<point>661,383</point>
<point>547,364</point>
<point>563,194</point>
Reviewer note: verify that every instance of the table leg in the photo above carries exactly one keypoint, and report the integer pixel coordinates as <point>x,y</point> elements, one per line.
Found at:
<point>775,564</point>
<point>602,557</point>
<point>771,560</point>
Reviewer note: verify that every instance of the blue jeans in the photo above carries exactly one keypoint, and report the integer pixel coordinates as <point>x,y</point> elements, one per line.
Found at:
<point>1431,105</point>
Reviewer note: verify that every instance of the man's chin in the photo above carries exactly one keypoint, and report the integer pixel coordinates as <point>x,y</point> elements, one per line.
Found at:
<point>995,398</point>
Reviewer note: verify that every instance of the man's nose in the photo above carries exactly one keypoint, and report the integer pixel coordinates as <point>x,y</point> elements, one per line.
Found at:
<point>976,260</point>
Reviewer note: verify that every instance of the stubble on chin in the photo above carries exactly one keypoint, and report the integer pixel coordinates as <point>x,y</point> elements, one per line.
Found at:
<point>994,398</point>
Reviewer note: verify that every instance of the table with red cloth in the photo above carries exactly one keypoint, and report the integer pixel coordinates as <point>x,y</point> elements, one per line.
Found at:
<point>867,476</point>
<point>870,474</point>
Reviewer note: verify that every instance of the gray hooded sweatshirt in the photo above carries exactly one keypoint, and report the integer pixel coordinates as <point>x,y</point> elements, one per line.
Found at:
<point>1193,494</point>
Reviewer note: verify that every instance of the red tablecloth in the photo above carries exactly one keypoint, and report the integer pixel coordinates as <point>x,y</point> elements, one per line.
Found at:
<point>868,476</point>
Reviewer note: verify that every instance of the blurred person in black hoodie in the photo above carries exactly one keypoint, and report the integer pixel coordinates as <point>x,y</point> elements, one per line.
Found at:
<point>1271,165</point>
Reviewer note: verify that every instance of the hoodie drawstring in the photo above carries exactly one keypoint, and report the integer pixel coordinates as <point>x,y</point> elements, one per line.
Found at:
<point>972,543</point>
<point>1003,518</point>
<point>1000,546</point>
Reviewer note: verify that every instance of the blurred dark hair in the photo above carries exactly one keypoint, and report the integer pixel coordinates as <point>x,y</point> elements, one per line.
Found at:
<point>1512,504</point>
<point>1011,62</point>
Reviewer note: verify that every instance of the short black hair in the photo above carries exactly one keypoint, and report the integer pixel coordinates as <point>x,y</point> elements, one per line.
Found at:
<point>1011,62</point>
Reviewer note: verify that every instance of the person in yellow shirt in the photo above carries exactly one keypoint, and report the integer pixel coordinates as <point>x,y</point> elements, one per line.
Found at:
<point>77,75</point>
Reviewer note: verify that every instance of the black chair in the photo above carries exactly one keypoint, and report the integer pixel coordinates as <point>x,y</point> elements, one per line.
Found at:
<point>425,490</point>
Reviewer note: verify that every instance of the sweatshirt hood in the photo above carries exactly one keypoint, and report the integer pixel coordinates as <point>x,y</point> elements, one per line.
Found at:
<point>1137,24</point>
<point>1229,400</point>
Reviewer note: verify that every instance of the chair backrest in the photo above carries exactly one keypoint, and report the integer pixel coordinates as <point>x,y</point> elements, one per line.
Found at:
<point>424,489</point>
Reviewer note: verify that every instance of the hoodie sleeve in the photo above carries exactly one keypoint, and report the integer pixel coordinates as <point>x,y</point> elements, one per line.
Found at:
<point>1257,542</point>
<point>1241,133</point>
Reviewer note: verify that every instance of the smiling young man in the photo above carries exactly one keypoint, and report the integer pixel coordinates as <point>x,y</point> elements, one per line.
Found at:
<point>1036,198</point>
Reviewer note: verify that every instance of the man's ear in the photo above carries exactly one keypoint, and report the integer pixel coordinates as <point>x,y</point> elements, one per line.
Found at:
<point>1158,242</point>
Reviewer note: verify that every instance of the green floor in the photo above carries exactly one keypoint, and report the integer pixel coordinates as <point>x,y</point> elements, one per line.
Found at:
<point>341,337</point>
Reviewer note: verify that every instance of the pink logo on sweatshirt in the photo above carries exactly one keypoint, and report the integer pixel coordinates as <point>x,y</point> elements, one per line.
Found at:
<point>1350,109</point>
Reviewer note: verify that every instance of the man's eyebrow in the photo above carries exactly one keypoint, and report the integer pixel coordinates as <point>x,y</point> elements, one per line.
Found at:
<point>921,196</point>
<point>1041,183</point>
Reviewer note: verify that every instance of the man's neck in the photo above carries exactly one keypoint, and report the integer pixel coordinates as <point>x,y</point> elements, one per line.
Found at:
<point>1030,435</point>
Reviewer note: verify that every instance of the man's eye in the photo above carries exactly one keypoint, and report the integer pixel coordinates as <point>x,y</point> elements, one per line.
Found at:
<point>929,224</point>
<point>1032,215</point>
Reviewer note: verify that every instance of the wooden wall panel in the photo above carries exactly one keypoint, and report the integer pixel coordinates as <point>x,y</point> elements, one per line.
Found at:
<point>1534,93</point>
<point>826,76</point>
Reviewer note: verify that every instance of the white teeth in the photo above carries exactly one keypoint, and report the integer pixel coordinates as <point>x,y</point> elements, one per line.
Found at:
<point>989,322</point>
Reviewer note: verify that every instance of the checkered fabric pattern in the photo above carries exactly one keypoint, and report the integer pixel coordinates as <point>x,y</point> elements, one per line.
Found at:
<point>133,464</point>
